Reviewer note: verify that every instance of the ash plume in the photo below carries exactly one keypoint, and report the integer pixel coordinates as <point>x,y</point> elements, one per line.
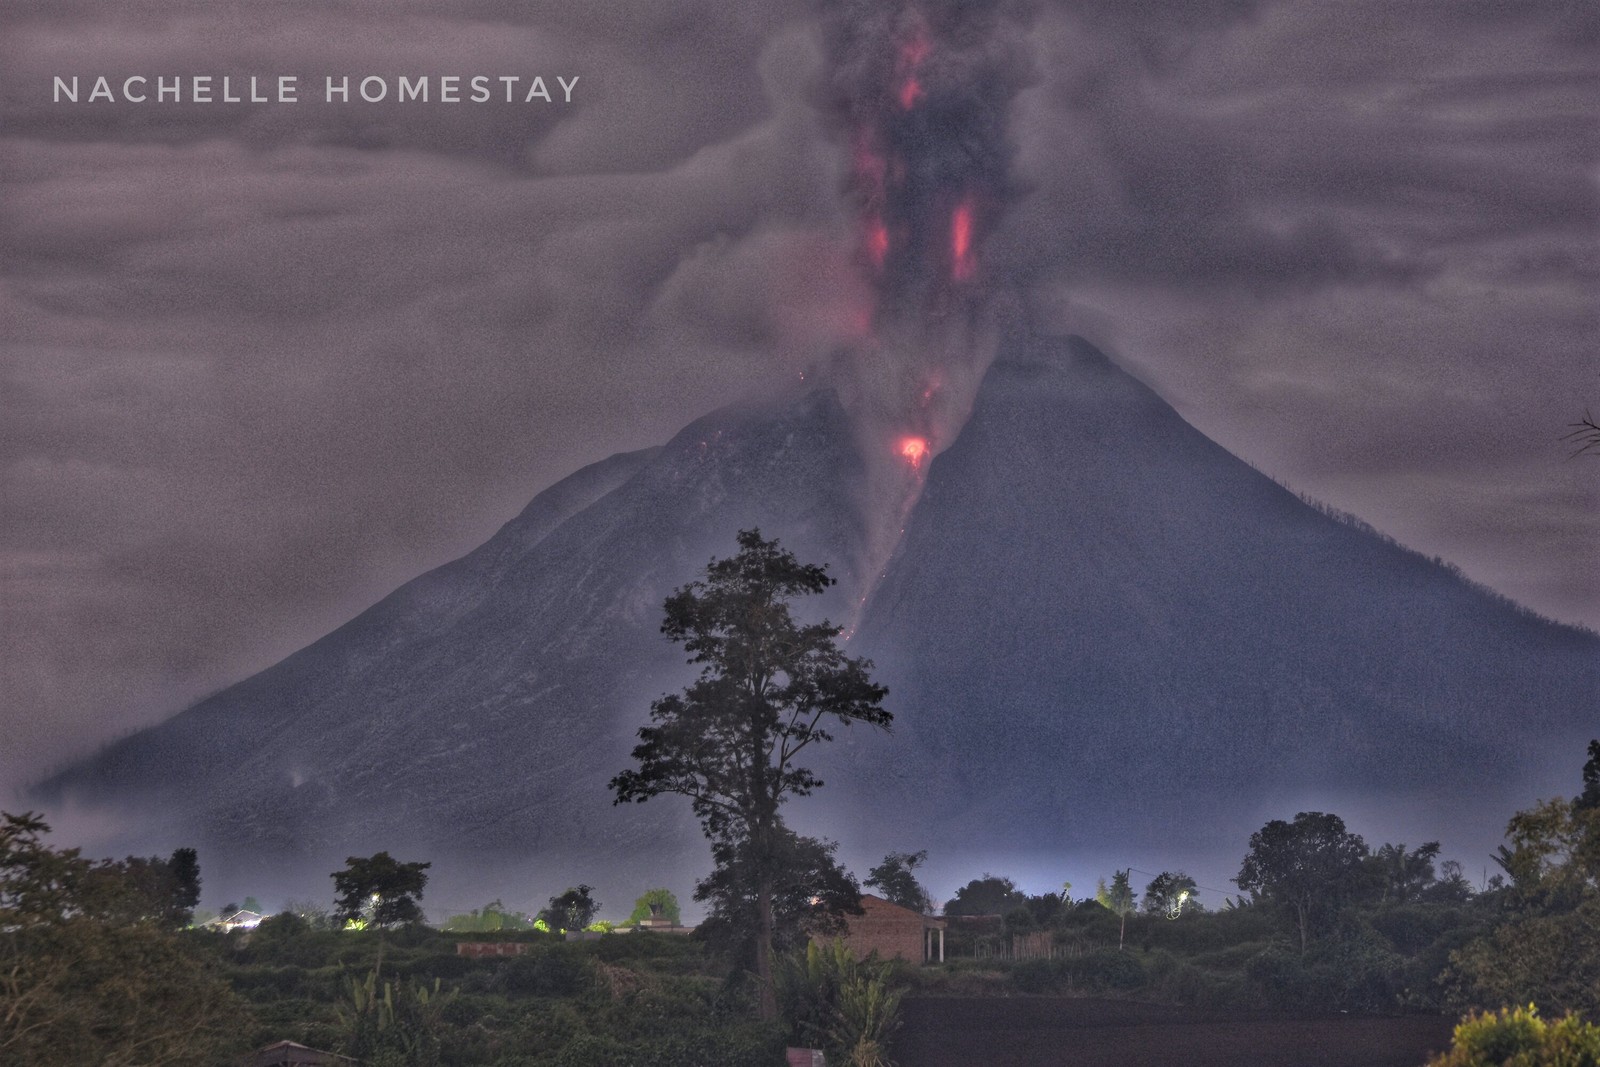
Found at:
<point>919,93</point>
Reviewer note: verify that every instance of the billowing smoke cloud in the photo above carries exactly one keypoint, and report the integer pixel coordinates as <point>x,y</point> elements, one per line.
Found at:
<point>920,92</point>
<point>259,365</point>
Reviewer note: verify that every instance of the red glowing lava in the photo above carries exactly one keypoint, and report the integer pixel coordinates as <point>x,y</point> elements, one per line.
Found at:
<point>912,53</point>
<point>877,243</point>
<point>914,449</point>
<point>961,265</point>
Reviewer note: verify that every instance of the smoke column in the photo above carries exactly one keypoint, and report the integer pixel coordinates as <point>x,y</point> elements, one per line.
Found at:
<point>919,91</point>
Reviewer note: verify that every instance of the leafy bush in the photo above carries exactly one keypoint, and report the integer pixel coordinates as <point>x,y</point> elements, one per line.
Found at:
<point>558,971</point>
<point>263,982</point>
<point>595,1050</point>
<point>1109,969</point>
<point>865,1018</point>
<point>1099,971</point>
<point>1212,931</point>
<point>827,996</point>
<point>663,1007</point>
<point>394,1022</point>
<point>546,1027</point>
<point>1519,1038</point>
<point>1279,976</point>
<point>1550,959</point>
<point>1039,976</point>
<point>744,1046</point>
<point>1355,970</point>
<point>1411,928</point>
<point>1189,985</point>
<point>679,954</point>
<point>808,984</point>
<point>1233,957</point>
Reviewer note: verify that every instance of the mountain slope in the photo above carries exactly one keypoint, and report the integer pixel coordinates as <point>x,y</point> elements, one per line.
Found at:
<point>480,709</point>
<point>1101,625</point>
<point>1099,628</point>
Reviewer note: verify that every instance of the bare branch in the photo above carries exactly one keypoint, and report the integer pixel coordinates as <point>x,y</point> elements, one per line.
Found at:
<point>1585,435</point>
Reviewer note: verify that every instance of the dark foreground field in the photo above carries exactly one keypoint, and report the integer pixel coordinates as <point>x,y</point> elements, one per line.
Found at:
<point>1059,1031</point>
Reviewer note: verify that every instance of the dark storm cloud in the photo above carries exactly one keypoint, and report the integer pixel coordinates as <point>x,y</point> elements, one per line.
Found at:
<point>263,364</point>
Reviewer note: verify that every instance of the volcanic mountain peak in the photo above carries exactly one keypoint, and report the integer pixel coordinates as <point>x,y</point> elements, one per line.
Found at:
<point>1093,602</point>
<point>1096,618</point>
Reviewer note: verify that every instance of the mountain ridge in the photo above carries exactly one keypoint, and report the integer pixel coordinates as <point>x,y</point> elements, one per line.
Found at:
<point>1167,587</point>
<point>1090,597</point>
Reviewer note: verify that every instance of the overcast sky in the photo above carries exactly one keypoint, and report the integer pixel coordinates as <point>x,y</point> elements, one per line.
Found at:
<point>264,362</point>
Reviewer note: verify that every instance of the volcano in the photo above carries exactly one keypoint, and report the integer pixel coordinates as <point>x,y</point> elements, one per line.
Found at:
<point>1098,627</point>
<point>1102,627</point>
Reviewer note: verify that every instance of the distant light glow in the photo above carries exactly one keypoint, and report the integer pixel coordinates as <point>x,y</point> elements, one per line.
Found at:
<point>914,449</point>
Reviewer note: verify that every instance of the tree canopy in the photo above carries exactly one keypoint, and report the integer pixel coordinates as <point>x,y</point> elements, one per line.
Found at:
<point>573,909</point>
<point>662,898</point>
<point>1401,876</point>
<point>380,890</point>
<point>1170,893</point>
<point>492,916</point>
<point>1119,898</point>
<point>1589,799</point>
<point>92,969</point>
<point>810,894</point>
<point>989,895</point>
<point>896,880</point>
<point>769,688</point>
<point>1308,866</point>
<point>1548,949</point>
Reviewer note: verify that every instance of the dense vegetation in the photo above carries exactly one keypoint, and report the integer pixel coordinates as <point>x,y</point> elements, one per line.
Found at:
<point>100,963</point>
<point>98,966</point>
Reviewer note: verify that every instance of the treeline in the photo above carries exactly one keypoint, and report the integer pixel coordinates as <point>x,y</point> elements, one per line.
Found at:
<point>1322,921</point>
<point>98,962</point>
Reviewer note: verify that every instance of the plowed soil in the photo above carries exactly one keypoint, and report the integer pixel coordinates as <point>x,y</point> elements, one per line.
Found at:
<point>1081,1032</point>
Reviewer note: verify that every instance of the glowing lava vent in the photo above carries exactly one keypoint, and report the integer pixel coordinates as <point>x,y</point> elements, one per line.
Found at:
<point>914,450</point>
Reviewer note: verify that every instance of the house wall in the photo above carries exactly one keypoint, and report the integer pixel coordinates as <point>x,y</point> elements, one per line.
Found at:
<point>885,928</point>
<point>478,949</point>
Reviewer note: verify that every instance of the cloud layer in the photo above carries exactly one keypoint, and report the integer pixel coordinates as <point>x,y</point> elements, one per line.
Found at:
<point>262,363</point>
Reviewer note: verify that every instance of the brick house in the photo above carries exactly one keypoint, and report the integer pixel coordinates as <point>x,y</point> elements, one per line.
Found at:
<point>289,1054</point>
<point>892,931</point>
<point>481,949</point>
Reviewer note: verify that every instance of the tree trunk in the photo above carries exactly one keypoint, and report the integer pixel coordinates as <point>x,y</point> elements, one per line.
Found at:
<point>768,1004</point>
<point>1122,933</point>
<point>1302,910</point>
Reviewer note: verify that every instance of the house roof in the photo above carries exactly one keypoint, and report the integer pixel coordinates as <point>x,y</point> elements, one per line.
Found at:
<point>237,918</point>
<point>882,906</point>
<point>292,1054</point>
